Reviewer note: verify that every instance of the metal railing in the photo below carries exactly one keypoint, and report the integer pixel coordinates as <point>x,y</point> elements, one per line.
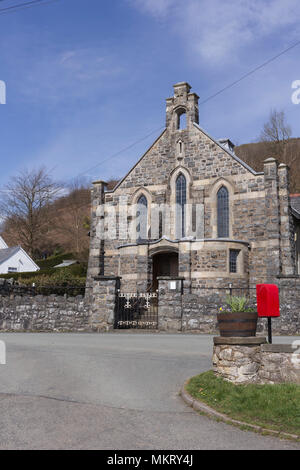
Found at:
<point>34,290</point>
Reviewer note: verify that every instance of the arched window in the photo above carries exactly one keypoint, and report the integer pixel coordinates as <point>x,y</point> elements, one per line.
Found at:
<point>180,205</point>
<point>223,212</point>
<point>181,119</point>
<point>142,218</point>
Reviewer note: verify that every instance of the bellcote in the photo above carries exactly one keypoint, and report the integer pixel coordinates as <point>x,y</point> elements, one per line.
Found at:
<point>182,108</point>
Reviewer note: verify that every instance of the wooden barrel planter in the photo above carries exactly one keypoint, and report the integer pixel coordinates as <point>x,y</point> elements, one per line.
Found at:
<point>239,324</point>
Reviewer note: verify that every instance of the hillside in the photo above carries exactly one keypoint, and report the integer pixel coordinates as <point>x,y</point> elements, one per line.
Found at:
<point>254,155</point>
<point>65,226</point>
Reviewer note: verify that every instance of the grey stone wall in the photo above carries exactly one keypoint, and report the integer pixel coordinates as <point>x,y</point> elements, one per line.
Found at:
<point>250,360</point>
<point>197,311</point>
<point>22,312</point>
<point>279,363</point>
<point>289,321</point>
<point>43,313</point>
<point>178,309</point>
<point>102,306</point>
<point>170,304</point>
<point>237,359</point>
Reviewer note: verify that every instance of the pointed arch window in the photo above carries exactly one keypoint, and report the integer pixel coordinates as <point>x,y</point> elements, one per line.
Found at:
<point>180,205</point>
<point>181,119</point>
<point>223,212</point>
<point>142,218</point>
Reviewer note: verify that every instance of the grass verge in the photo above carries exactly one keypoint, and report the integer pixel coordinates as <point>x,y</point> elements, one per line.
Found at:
<point>275,407</point>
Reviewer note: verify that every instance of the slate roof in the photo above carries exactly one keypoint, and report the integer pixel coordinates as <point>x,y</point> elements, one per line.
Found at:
<point>295,203</point>
<point>6,253</point>
<point>65,263</point>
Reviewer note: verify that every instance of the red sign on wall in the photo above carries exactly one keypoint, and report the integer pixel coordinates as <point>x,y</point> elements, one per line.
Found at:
<point>267,300</point>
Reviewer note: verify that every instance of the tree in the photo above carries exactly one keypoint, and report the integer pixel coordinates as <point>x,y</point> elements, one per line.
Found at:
<point>276,129</point>
<point>25,207</point>
<point>71,218</point>
<point>70,214</point>
<point>277,132</point>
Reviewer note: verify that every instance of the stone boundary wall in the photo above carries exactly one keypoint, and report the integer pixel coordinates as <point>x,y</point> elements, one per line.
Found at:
<point>169,304</point>
<point>251,360</point>
<point>44,313</point>
<point>180,310</point>
<point>20,311</point>
<point>279,363</point>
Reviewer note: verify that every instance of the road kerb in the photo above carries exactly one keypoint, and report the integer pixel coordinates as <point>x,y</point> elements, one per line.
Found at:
<point>197,405</point>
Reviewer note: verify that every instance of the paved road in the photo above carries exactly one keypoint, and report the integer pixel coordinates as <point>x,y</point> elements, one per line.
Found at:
<point>113,391</point>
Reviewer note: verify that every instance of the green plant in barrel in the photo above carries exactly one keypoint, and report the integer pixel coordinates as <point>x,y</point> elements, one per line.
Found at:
<point>240,320</point>
<point>237,304</point>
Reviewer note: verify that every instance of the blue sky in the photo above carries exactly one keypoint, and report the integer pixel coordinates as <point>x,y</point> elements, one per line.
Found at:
<point>87,78</point>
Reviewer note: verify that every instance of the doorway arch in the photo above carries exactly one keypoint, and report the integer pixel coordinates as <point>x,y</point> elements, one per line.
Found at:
<point>164,264</point>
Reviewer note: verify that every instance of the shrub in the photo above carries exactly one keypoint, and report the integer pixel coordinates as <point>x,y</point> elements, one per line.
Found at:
<point>54,260</point>
<point>50,280</point>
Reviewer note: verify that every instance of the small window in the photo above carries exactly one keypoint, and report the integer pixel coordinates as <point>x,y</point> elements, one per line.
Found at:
<point>160,229</point>
<point>233,261</point>
<point>12,270</point>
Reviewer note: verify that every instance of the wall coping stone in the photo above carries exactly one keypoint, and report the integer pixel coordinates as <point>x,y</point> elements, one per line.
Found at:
<point>288,276</point>
<point>106,278</point>
<point>240,341</point>
<point>277,348</point>
<point>170,278</point>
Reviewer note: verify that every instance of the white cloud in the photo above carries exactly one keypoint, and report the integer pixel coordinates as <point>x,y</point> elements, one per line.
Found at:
<point>218,29</point>
<point>60,75</point>
<point>156,8</point>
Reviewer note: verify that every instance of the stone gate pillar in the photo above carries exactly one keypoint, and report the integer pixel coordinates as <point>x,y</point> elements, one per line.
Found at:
<point>105,289</point>
<point>170,309</point>
<point>287,240</point>
<point>96,254</point>
<point>272,224</point>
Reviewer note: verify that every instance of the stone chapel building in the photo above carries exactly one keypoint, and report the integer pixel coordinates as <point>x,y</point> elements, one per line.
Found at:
<point>202,219</point>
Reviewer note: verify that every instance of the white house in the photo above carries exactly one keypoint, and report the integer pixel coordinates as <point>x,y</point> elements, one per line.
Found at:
<point>15,260</point>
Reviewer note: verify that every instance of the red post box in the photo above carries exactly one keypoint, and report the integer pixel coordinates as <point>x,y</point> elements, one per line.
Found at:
<point>267,300</point>
<point>268,304</point>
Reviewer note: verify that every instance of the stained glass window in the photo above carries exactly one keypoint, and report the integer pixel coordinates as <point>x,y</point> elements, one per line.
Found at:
<point>142,216</point>
<point>223,212</point>
<point>180,205</point>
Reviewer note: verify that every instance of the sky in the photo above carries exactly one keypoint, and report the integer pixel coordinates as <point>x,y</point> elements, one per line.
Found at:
<point>87,79</point>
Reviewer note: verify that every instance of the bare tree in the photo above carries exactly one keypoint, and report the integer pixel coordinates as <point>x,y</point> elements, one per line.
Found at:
<point>276,129</point>
<point>277,132</point>
<point>275,140</point>
<point>70,215</point>
<point>25,207</point>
